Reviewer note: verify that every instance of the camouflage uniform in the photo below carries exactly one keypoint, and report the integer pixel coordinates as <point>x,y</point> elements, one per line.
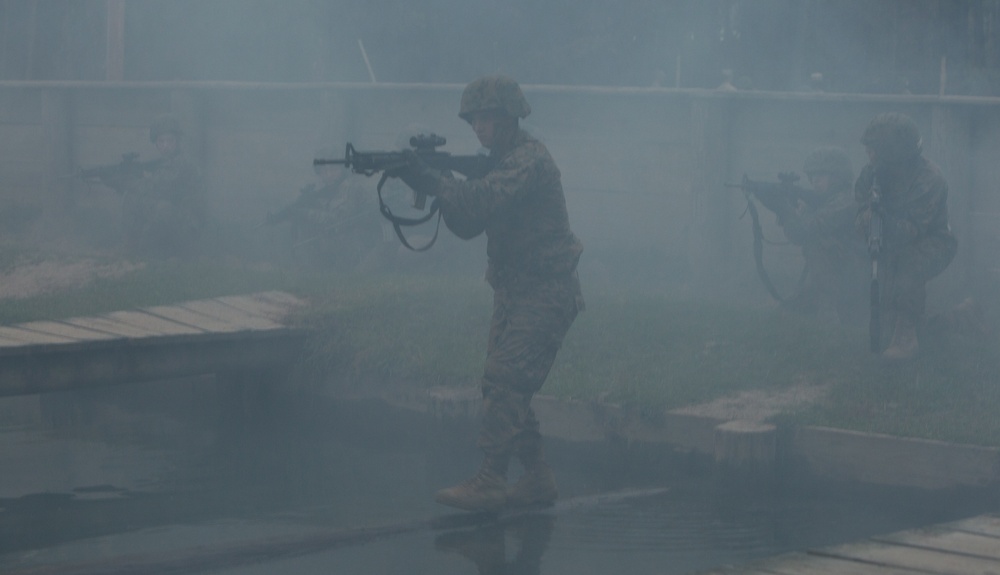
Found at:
<point>532,269</point>
<point>165,210</point>
<point>532,258</point>
<point>836,259</point>
<point>917,242</point>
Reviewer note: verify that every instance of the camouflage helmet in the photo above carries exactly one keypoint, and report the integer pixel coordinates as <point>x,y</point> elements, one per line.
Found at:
<point>164,125</point>
<point>493,93</point>
<point>832,161</point>
<point>893,136</point>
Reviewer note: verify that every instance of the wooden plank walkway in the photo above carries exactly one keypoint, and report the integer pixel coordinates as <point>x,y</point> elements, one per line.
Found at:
<point>966,547</point>
<point>231,334</point>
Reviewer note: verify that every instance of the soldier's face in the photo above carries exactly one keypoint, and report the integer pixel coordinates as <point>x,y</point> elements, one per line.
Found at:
<point>166,144</point>
<point>488,127</point>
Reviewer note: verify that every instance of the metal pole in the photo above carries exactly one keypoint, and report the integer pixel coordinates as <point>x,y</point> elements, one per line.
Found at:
<point>115,55</point>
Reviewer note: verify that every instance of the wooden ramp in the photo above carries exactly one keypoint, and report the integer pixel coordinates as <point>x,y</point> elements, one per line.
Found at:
<point>967,547</point>
<point>231,334</point>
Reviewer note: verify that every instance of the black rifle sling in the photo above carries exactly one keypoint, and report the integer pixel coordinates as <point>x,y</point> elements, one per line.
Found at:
<point>398,222</point>
<point>758,251</point>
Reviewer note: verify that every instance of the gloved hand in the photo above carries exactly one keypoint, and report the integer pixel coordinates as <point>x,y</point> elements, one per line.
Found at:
<point>418,175</point>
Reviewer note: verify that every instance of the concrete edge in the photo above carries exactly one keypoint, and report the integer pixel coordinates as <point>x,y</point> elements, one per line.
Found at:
<point>826,453</point>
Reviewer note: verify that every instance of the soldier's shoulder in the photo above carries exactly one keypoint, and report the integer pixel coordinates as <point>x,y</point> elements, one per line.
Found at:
<point>929,175</point>
<point>529,149</point>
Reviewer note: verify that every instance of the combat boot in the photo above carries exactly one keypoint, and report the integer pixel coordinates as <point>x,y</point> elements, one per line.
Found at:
<point>904,342</point>
<point>536,488</point>
<point>486,491</point>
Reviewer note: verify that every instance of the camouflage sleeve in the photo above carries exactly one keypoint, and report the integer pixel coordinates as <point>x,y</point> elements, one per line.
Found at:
<point>863,186</point>
<point>467,205</point>
<point>829,220</point>
<point>863,198</point>
<point>924,206</point>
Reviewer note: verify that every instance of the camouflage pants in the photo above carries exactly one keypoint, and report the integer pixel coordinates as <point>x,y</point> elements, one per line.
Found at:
<point>530,320</point>
<point>837,279</point>
<point>908,271</point>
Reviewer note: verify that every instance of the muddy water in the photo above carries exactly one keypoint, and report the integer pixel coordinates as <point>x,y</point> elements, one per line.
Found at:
<point>194,478</point>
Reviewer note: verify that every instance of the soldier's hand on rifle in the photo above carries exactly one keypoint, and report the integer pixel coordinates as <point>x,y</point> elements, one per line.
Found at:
<point>418,175</point>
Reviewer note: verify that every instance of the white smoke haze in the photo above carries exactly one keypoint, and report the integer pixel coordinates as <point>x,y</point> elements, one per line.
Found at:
<point>649,109</point>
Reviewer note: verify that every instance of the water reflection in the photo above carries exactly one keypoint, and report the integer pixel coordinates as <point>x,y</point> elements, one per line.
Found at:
<point>169,474</point>
<point>513,546</point>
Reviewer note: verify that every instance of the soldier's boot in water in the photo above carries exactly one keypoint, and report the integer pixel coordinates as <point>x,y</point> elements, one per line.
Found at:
<point>537,486</point>
<point>485,491</point>
<point>904,342</point>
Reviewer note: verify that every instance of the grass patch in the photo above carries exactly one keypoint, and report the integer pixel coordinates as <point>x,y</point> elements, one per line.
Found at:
<point>950,392</point>
<point>649,351</point>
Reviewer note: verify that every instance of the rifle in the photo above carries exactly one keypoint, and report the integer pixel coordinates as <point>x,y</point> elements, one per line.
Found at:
<point>874,250</point>
<point>776,195</point>
<point>115,175</point>
<point>425,146</point>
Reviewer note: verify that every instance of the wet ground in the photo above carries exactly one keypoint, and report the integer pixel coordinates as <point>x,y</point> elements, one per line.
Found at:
<point>190,477</point>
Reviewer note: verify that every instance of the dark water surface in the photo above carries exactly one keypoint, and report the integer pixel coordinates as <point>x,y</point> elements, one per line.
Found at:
<point>191,477</point>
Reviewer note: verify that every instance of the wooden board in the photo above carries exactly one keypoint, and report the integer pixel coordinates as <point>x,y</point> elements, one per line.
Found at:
<point>280,298</point>
<point>946,539</point>
<point>190,318</point>
<point>31,337</point>
<point>799,563</point>
<point>152,323</point>
<point>66,330</point>
<point>272,311</point>
<point>109,325</point>
<point>984,524</point>
<point>273,305</point>
<point>928,560</point>
<point>229,314</point>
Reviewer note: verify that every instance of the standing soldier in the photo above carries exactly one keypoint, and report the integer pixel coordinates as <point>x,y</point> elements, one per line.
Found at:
<point>911,199</point>
<point>532,257</point>
<point>165,209</point>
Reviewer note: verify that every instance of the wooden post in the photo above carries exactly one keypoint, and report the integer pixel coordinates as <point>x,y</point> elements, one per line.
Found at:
<point>746,446</point>
<point>115,48</point>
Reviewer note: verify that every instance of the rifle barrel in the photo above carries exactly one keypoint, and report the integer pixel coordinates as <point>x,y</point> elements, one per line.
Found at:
<point>327,161</point>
